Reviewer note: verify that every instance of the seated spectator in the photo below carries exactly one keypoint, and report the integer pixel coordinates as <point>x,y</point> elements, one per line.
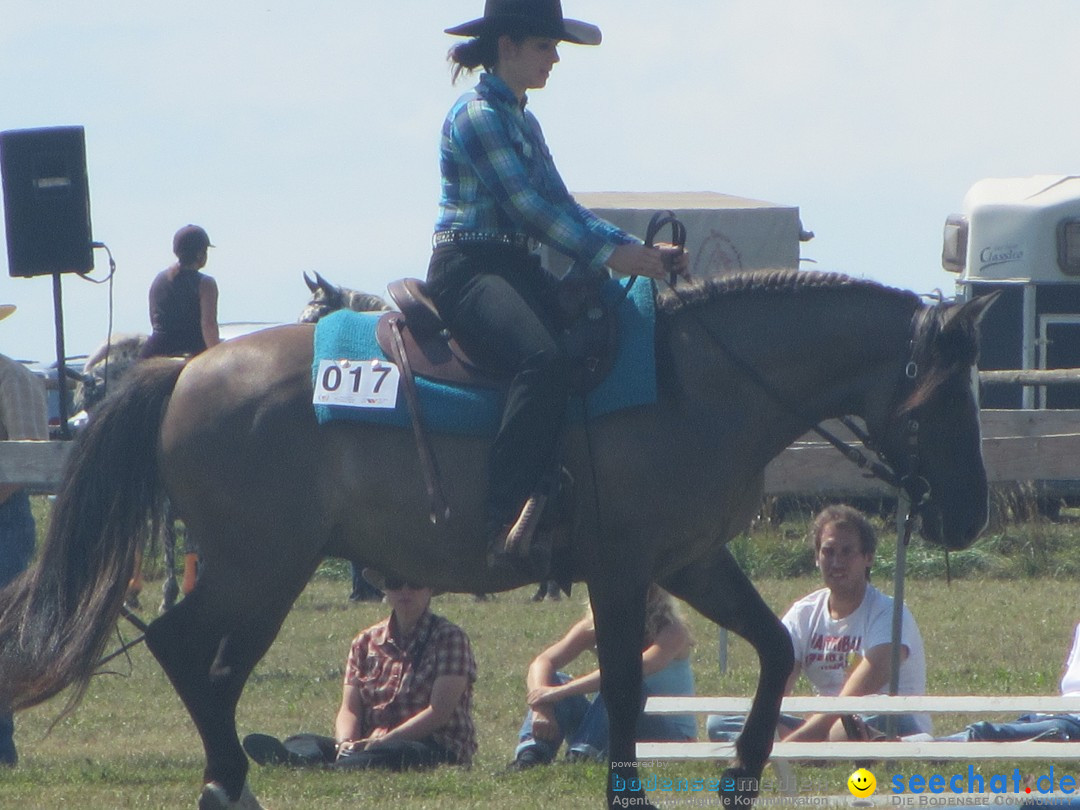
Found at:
<point>1044,727</point>
<point>560,707</point>
<point>842,635</point>
<point>407,700</point>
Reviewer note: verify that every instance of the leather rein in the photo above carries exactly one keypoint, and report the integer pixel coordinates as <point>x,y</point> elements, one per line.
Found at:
<point>915,487</point>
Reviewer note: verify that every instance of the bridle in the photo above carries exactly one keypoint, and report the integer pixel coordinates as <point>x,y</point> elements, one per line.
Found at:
<point>898,473</point>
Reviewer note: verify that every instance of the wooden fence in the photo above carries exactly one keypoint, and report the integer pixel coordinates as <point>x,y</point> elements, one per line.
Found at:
<point>914,748</point>
<point>36,465</point>
<point>1018,446</point>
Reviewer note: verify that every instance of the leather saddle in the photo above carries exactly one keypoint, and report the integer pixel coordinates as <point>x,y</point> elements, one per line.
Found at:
<point>419,343</point>
<point>431,350</point>
<point>590,337</point>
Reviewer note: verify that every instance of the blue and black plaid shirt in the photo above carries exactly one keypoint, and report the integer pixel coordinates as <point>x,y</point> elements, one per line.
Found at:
<point>498,177</point>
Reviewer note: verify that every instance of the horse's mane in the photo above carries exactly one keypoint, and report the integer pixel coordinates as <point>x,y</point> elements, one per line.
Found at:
<point>942,346</point>
<point>764,282</point>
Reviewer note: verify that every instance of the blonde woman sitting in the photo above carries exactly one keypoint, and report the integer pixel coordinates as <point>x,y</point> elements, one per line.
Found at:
<point>560,707</point>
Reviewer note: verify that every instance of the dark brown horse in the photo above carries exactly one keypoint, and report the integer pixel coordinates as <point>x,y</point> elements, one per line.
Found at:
<point>746,364</point>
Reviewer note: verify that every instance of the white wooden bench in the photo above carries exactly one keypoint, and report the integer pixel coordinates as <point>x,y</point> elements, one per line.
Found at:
<point>871,704</point>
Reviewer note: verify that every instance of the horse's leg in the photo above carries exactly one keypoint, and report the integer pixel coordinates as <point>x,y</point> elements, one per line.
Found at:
<point>618,603</point>
<point>209,643</point>
<point>186,651</point>
<point>719,589</point>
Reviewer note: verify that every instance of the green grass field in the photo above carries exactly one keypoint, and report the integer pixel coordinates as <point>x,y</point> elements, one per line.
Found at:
<point>130,743</point>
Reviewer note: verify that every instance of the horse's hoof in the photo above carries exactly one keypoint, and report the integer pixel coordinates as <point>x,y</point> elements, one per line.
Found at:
<point>214,798</point>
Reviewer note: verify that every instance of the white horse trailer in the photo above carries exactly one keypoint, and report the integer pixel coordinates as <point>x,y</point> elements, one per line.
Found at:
<point>1021,236</point>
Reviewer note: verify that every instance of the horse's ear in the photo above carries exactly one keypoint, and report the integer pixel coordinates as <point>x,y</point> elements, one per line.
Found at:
<point>972,311</point>
<point>326,285</point>
<point>311,283</point>
<point>957,342</point>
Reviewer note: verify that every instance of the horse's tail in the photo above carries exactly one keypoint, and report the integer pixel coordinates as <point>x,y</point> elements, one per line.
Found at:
<point>56,618</point>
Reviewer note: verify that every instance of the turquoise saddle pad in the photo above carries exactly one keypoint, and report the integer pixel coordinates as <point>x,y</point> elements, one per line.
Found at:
<point>346,335</point>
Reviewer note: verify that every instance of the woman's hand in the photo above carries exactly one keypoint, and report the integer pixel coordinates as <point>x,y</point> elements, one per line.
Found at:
<point>347,747</point>
<point>541,696</point>
<point>544,725</point>
<point>675,259</point>
<point>652,262</point>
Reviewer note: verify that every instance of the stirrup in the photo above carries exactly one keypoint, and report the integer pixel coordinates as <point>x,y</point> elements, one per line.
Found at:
<point>520,549</point>
<point>520,537</point>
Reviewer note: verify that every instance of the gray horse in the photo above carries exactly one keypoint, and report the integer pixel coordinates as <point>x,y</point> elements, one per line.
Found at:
<point>745,364</point>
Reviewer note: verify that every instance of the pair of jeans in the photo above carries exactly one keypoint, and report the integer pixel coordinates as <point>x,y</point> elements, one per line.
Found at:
<point>728,727</point>
<point>583,724</point>
<point>1064,727</point>
<point>501,306</point>
<point>17,538</point>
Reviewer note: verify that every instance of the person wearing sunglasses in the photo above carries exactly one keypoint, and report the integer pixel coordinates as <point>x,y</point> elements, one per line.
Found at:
<point>407,696</point>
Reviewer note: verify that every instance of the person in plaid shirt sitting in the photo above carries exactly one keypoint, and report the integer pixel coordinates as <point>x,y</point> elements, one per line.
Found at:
<point>407,699</point>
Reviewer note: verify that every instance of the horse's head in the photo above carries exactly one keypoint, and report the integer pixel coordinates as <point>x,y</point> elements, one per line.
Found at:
<point>932,439</point>
<point>105,366</point>
<point>327,298</point>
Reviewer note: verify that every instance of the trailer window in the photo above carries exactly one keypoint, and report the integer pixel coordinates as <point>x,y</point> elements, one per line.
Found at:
<point>1069,246</point>
<point>954,244</point>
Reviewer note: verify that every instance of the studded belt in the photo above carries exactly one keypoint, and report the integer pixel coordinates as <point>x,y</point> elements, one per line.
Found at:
<point>517,240</point>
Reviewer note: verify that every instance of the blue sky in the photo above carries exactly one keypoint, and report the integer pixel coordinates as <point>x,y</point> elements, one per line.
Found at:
<point>303,136</point>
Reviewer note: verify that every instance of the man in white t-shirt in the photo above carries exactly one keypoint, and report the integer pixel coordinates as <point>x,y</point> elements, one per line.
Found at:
<point>842,635</point>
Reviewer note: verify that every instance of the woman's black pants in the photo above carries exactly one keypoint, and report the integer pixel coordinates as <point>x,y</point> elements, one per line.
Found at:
<point>500,305</point>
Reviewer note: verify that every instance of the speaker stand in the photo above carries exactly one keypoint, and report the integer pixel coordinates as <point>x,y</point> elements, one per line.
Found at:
<point>61,358</point>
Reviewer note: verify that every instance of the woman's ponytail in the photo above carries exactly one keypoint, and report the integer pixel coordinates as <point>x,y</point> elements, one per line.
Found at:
<point>479,52</point>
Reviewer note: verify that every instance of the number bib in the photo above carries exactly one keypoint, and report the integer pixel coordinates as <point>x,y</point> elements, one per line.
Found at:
<point>357,383</point>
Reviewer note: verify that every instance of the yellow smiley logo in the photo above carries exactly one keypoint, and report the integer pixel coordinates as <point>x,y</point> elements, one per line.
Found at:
<point>862,783</point>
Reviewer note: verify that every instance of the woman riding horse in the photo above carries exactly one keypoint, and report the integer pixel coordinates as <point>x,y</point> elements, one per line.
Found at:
<point>501,191</point>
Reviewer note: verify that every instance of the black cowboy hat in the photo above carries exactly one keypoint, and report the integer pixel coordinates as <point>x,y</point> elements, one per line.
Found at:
<point>541,18</point>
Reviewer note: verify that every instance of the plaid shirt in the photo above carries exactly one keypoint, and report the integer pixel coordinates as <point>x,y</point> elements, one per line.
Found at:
<point>394,687</point>
<point>498,177</point>
<point>23,412</point>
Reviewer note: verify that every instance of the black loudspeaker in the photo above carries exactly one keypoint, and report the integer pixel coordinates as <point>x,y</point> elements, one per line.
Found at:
<point>46,201</point>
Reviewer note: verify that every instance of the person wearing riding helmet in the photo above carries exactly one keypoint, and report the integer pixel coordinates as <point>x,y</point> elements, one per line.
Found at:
<point>501,194</point>
<point>184,318</point>
<point>183,300</point>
